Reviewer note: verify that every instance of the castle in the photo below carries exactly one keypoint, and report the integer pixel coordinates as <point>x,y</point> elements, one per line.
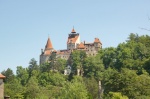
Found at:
<point>73,43</point>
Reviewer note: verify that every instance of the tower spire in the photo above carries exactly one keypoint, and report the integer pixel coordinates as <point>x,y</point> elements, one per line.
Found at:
<point>73,30</point>
<point>48,44</point>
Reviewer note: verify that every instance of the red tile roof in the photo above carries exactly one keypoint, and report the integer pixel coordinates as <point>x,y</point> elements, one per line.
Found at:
<point>97,40</point>
<point>47,52</point>
<point>81,46</point>
<point>2,76</point>
<point>72,39</point>
<point>49,44</point>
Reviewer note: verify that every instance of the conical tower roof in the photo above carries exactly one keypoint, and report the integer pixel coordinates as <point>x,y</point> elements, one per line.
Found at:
<point>73,30</point>
<point>2,76</point>
<point>48,44</point>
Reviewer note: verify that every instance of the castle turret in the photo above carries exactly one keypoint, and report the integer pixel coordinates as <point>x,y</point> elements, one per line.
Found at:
<point>47,52</point>
<point>48,44</point>
<point>48,47</point>
<point>97,44</point>
<point>73,40</point>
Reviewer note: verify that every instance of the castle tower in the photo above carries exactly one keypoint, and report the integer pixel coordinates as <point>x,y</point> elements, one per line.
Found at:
<point>48,46</point>
<point>1,86</point>
<point>97,44</point>
<point>47,52</point>
<point>73,40</point>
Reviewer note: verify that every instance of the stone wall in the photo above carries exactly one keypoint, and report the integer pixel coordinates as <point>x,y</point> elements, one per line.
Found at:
<point>44,58</point>
<point>1,89</point>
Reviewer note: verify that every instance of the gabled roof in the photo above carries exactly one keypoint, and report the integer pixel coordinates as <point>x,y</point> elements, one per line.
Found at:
<point>48,44</point>
<point>97,40</point>
<point>2,76</point>
<point>72,39</point>
<point>81,46</point>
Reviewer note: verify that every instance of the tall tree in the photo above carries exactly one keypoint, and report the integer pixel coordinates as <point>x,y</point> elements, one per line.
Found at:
<point>74,90</point>
<point>32,66</point>
<point>22,74</point>
<point>32,88</point>
<point>9,75</point>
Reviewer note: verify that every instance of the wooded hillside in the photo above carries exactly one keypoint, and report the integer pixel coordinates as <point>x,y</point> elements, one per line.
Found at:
<point>124,72</point>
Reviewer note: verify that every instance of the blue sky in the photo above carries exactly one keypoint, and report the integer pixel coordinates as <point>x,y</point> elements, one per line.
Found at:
<point>26,24</point>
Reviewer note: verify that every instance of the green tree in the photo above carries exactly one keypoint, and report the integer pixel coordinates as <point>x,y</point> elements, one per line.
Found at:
<point>32,66</point>
<point>92,87</point>
<point>22,74</point>
<point>14,89</point>
<point>108,55</point>
<point>93,67</point>
<point>74,90</point>
<point>146,65</point>
<point>9,75</point>
<point>60,65</point>
<point>77,58</point>
<point>115,95</point>
<point>32,88</point>
<point>45,67</point>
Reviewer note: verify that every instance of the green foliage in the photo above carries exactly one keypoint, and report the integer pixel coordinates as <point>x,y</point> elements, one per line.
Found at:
<point>116,95</point>
<point>74,90</point>
<point>57,79</point>
<point>32,88</point>
<point>60,65</point>
<point>45,67</point>
<point>127,82</point>
<point>92,87</point>
<point>22,75</point>
<point>146,65</point>
<point>9,75</point>
<point>14,89</point>
<point>77,58</point>
<point>93,67</point>
<point>108,55</point>
<point>32,66</point>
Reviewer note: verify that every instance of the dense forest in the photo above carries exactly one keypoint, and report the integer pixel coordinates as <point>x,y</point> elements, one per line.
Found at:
<point>124,72</point>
